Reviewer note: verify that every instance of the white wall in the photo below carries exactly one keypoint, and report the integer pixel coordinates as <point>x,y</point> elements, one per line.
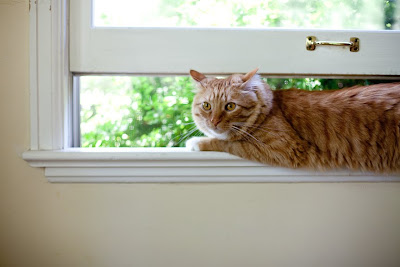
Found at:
<point>44,224</point>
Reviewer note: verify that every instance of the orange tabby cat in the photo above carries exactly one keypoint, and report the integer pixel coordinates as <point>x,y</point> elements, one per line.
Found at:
<point>358,127</point>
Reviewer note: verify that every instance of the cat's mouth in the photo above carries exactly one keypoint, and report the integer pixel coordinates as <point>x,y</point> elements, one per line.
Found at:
<point>218,130</point>
<point>219,133</point>
<point>225,133</point>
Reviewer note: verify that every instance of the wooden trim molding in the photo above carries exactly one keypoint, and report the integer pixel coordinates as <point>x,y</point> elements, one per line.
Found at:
<point>175,165</point>
<point>49,74</point>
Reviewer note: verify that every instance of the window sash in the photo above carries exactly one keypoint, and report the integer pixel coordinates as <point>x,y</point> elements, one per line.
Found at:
<point>177,50</point>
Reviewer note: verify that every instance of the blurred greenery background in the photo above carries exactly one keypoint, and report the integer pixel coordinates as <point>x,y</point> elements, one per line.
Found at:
<point>134,111</point>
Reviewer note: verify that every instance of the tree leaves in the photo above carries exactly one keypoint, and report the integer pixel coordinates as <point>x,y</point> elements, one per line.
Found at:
<point>158,113</point>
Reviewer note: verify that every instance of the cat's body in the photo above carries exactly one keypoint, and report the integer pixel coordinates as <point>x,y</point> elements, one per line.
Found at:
<point>358,127</point>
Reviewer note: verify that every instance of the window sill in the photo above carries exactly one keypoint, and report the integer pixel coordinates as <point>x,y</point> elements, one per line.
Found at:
<point>174,165</point>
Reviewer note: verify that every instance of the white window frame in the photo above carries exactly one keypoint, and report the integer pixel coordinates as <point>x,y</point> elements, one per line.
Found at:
<point>219,50</point>
<point>50,101</point>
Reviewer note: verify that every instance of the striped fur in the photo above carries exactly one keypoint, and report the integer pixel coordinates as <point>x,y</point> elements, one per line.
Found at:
<point>357,127</point>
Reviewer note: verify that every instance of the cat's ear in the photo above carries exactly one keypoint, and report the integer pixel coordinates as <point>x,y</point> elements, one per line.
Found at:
<point>249,75</point>
<point>197,76</point>
<point>251,81</point>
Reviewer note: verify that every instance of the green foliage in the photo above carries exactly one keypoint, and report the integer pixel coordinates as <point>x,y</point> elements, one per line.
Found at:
<point>327,14</point>
<point>156,113</point>
<point>390,14</point>
<point>315,84</point>
<point>333,14</point>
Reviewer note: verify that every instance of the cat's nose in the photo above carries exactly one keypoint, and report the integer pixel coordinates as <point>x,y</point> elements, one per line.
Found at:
<point>215,121</point>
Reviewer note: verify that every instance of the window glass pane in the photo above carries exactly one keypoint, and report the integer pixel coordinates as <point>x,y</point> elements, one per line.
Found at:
<point>124,111</point>
<point>329,14</point>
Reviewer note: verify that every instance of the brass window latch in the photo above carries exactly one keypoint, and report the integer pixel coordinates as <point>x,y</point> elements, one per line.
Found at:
<point>312,43</point>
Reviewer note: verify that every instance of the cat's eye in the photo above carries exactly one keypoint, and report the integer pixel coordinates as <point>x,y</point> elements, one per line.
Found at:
<point>230,106</point>
<point>206,106</point>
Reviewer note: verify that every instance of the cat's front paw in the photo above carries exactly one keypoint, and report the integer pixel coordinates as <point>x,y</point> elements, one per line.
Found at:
<point>194,143</point>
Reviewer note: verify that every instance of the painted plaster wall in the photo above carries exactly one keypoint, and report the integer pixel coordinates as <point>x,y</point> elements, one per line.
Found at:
<point>44,224</point>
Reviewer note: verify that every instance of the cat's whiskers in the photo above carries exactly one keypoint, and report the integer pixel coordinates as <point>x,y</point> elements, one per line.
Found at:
<point>194,132</point>
<point>248,137</point>
<point>247,134</point>
<point>190,132</point>
<point>274,133</point>
<point>271,133</point>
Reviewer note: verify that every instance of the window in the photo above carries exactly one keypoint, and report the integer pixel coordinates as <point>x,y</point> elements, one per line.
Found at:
<point>151,111</point>
<point>62,52</point>
<point>255,14</point>
<point>132,111</point>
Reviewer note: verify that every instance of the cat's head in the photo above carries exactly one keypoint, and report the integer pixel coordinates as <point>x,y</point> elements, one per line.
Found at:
<point>226,108</point>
